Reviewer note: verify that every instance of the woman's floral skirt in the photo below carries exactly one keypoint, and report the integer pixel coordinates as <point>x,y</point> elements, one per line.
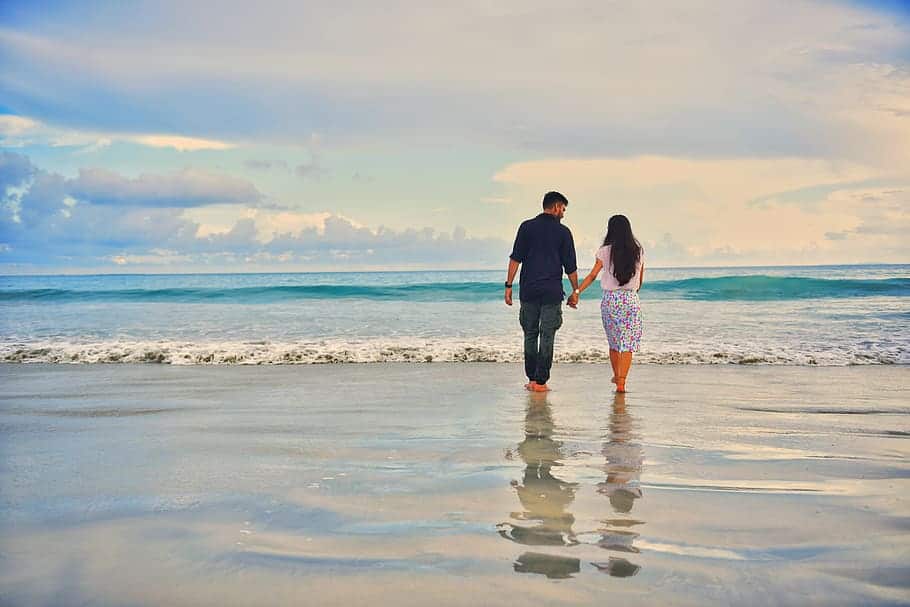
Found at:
<point>621,313</point>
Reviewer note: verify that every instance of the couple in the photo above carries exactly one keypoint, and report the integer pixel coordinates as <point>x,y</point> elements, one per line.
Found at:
<point>544,248</point>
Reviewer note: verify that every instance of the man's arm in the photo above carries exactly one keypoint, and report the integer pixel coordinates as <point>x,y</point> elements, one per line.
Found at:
<point>573,298</point>
<point>567,253</point>
<point>513,268</point>
<point>519,252</point>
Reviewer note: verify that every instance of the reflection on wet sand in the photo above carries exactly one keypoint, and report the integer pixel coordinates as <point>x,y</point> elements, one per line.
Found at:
<point>544,497</point>
<point>553,566</point>
<point>622,464</point>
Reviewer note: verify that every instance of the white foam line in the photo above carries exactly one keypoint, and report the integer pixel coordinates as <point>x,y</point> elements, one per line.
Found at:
<point>400,350</point>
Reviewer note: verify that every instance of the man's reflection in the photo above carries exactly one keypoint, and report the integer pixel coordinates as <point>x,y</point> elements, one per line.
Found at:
<point>544,497</point>
<point>623,458</point>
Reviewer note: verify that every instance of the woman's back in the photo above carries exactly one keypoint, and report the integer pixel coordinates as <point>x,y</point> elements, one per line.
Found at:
<point>608,280</point>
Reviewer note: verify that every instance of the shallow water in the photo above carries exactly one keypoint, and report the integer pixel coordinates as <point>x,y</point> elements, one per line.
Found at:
<point>448,484</point>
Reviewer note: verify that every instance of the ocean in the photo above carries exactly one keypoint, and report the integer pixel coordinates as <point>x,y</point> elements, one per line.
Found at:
<point>819,315</point>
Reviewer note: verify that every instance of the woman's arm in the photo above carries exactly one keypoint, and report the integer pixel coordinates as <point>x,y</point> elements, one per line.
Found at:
<point>641,277</point>
<point>598,265</point>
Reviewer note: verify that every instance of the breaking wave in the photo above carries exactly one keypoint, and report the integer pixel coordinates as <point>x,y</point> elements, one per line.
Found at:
<point>756,288</point>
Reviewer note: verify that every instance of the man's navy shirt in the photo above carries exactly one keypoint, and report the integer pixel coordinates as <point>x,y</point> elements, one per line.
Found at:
<point>544,248</point>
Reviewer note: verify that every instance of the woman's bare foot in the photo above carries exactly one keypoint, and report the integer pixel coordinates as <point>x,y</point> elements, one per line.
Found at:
<point>621,385</point>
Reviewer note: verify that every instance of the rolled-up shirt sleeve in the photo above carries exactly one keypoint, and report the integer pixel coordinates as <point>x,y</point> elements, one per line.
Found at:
<point>567,253</point>
<point>520,248</point>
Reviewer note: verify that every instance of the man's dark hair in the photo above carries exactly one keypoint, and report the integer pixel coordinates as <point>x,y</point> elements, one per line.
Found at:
<point>551,199</point>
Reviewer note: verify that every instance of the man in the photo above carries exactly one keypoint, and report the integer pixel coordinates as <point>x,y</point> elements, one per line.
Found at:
<point>544,248</point>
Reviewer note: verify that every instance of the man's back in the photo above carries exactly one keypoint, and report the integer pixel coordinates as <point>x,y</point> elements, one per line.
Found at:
<point>545,248</point>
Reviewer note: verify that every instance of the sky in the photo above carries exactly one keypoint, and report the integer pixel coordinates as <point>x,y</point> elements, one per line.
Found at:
<point>279,136</point>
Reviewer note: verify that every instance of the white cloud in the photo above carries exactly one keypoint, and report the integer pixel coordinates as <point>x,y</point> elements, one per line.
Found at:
<point>181,144</point>
<point>157,257</point>
<point>220,219</point>
<point>19,131</point>
<point>15,126</point>
<point>186,188</point>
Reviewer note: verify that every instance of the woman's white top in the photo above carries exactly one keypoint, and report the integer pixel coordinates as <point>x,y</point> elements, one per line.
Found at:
<point>608,280</point>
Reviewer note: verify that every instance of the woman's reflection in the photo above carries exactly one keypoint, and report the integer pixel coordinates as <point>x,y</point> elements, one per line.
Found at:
<point>544,497</point>
<point>623,458</point>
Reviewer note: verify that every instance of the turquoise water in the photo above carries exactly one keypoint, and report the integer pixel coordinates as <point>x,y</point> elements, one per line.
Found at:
<point>783,315</point>
<point>754,287</point>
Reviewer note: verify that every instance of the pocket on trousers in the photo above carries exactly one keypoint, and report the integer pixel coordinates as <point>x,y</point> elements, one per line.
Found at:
<point>551,318</point>
<point>523,318</point>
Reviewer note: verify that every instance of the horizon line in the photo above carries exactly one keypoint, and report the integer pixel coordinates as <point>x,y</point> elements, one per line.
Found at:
<point>414,271</point>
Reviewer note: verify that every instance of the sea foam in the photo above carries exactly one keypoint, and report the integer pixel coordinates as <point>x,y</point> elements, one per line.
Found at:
<point>380,350</point>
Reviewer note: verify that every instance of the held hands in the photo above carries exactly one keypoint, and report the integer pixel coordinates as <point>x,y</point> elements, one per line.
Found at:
<point>573,300</point>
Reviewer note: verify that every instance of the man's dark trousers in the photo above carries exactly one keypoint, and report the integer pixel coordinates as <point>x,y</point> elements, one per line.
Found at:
<point>539,321</point>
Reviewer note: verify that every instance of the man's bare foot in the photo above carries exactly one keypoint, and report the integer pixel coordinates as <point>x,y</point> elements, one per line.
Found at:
<point>530,385</point>
<point>540,388</point>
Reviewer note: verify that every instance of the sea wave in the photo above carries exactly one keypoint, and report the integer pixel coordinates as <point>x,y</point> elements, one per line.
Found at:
<point>767,288</point>
<point>407,351</point>
<point>754,287</point>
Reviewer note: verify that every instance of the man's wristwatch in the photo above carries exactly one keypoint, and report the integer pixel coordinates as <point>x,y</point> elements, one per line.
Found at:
<point>508,285</point>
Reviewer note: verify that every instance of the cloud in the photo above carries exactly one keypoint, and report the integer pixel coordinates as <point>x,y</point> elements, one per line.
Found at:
<point>16,126</point>
<point>738,210</point>
<point>496,200</point>
<point>265,165</point>
<point>50,232</point>
<point>159,257</point>
<point>187,188</point>
<point>311,170</point>
<point>20,131</point>
<point>343,239</point>
<point>837,235</point>
<point>181,144</point>
<point>103,217</point>
<point>595,78</point>
<point>15,170</point>
<point>47,214</point>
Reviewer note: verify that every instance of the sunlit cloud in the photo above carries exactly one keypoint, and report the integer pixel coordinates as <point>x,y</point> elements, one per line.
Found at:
<point>182,144</point>
<point>19,131</point>
<point>773,209</point>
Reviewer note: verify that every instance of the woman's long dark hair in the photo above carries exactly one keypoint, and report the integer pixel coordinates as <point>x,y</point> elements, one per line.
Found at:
<point>625,250</point>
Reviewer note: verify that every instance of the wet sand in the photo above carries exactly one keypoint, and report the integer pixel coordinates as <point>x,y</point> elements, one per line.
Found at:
<point>448,484</point>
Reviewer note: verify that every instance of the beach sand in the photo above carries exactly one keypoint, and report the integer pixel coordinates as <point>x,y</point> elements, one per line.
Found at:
<point>448,484</point>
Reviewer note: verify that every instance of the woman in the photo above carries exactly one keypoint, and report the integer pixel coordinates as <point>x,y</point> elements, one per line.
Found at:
<point>623,257</point>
